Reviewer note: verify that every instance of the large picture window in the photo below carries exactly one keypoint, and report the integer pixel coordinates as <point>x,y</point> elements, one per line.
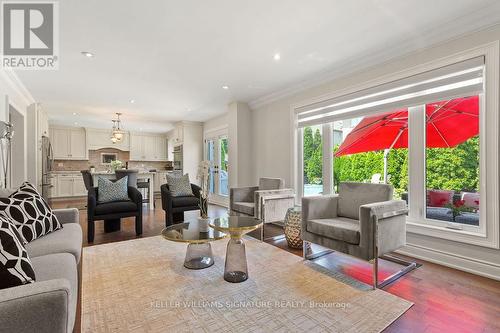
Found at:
<point>313,160</point>
<point>373,149</point>
<point>452,160</point>
<point>424,135</point>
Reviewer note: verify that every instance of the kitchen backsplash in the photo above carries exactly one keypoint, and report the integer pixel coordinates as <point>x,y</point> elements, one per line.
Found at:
<point>95,160</point>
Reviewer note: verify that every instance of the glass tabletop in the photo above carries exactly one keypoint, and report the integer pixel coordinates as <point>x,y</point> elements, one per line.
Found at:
<point>235,223</point>
<point>194,231</point>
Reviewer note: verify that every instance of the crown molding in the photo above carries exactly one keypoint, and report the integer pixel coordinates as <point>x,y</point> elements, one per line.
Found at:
<point>480,20</point>
<point>17,85</point>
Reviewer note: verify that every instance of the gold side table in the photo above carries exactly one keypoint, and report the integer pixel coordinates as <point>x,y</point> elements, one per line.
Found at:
<point>236,269</point>
<point>198,235</point>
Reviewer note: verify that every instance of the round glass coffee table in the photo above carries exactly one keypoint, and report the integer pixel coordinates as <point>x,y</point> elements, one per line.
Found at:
<point>198,235</point>
<point>236,269</point>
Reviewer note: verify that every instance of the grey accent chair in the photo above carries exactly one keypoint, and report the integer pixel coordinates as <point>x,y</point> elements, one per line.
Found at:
<point>361,220</point>
<point>267,202</point>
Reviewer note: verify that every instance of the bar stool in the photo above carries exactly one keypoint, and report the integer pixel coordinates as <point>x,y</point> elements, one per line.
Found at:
<point>87,179</point>
<point>145,184</point>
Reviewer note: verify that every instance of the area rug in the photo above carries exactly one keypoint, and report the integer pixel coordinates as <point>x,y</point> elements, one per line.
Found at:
<point>141,286</point>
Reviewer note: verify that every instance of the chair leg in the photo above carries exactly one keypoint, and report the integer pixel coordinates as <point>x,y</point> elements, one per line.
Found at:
<point>90,231</point>
<point>169,219</point>
<point>375,273</point>
<point>307,251</point>
<point>305,246</point>
<point>178,217</point>
<point>408,267</point>
<point>138,225</point>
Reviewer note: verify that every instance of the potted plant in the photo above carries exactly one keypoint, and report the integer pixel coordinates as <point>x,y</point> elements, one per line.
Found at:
<point>204,177</point>
<point>116,165</point>
<point>458,207</point>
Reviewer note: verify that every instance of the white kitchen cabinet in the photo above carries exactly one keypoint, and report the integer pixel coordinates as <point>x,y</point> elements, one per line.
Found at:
<point>66,185</point>
<point>178,137</point>
<point>77,144</point>
<point>161,148</point>
<point>69,143</point>
<point>136,147</point>
<point>59,138</point>
<point>148,147</point>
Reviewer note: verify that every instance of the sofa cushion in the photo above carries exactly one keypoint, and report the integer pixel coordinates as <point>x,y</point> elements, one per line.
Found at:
<point>15,264</point>
<point>109,191</point>
<point>115,207</point>
<point>246,208</point>
<point>179,186</point>
<point>60,266</point>
<point>470,199</point>
<point>186,201</point>
<point>353,195</point>
<point>338,228</point>
<point>439,213</point>
<point>66,240</point>
<point>440,198</point>
<point>31,214</point>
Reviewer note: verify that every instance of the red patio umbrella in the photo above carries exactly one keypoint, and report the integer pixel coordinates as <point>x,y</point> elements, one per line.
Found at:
<point>449,123</point>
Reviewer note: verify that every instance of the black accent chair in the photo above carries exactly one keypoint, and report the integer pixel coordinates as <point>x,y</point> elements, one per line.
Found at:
<point>175,207</point>
<point>112,212</point>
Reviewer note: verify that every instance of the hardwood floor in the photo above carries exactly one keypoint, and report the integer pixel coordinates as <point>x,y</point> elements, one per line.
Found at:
<point>446,300</point>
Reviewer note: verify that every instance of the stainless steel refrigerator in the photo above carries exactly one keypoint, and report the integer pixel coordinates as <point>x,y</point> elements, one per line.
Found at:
<point>47,157</point>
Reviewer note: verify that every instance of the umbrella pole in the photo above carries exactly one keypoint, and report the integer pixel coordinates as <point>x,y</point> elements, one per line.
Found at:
<point>386,154</point>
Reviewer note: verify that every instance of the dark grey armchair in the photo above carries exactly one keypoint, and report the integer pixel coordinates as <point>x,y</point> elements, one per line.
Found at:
<point>361,220</point>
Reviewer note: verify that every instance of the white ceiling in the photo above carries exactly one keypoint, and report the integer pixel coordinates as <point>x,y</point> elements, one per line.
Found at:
<point>172,57</point>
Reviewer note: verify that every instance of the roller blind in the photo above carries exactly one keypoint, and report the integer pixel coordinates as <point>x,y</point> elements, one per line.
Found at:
<point>460,79</point>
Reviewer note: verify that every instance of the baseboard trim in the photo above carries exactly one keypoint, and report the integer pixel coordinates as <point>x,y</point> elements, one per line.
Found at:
<point>449,260</point>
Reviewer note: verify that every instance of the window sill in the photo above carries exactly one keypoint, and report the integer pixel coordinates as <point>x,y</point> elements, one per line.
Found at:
<point>421,227</point>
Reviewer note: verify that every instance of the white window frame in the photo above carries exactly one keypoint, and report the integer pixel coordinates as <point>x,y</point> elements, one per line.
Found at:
<point>488,234</point>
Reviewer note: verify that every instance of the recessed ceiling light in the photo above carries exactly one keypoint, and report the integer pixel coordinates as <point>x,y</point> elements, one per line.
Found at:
<point>277,56</point>
<point>74,113</point>
<point>132,101</point>
<point>76,123</point>
<point>87,54</point>
<point>225,87</point>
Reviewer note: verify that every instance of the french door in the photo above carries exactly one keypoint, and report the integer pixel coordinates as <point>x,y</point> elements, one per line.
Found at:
<point>216,152</point>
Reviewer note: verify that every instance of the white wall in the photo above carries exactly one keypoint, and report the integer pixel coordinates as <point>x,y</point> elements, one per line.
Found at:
<point>272,150</point>
<point>216,123</point>
<point>18,160</point>
<point>13,92</point>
